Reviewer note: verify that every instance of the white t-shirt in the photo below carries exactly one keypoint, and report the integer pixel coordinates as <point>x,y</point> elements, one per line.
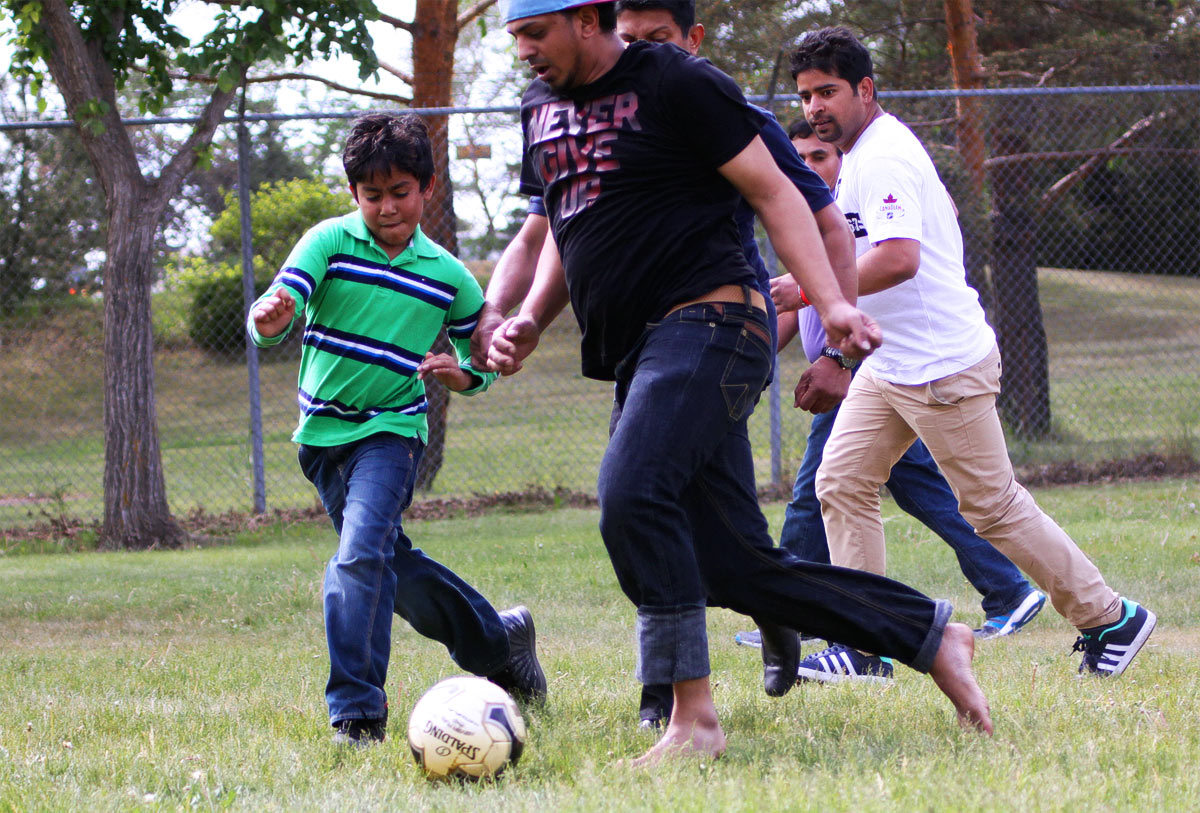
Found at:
<point>933,325</point>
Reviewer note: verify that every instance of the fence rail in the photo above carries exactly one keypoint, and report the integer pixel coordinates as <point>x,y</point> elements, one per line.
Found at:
<point>1085,248</point>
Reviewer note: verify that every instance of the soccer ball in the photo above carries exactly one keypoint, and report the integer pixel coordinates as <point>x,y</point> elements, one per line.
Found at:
<point>465,727</point>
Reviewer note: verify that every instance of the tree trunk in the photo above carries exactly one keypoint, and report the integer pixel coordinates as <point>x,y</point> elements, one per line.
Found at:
<point>136,513</point>
<point>434,34</point>
<point>969,127</point>
<point>1017,317</point>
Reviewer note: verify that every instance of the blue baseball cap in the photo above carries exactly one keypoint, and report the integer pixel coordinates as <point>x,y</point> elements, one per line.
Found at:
<point>516,9</point>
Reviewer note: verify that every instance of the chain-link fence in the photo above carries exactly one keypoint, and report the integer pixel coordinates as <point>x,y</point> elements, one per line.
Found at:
<point>1083,231</point>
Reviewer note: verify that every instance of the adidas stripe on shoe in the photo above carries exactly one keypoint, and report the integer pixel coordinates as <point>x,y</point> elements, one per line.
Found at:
<point>841,663</point>
<point>1108,650</point>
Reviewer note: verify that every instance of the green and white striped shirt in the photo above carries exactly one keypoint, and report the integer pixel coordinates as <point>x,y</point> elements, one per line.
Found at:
<point>369,323</point>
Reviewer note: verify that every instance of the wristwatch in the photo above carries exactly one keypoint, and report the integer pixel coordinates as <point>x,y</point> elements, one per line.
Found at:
<point>843,362</point>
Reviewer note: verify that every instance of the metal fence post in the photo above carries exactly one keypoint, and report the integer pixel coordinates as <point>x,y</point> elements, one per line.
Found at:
<point>248,297</point>
<point>772,268</point>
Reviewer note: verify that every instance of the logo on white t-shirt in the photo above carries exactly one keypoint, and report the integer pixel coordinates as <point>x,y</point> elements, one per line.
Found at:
<point>891,207</point>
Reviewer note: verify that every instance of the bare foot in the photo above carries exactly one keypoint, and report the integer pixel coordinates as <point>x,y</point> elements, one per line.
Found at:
<point>703,739</point>
<point>951,671</point>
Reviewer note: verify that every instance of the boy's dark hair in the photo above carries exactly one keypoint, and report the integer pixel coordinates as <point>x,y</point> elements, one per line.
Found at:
<point>800,128</point>
<point>606,11</point>
<point>835,51</point>
<point>381,142</point>
<point>683,12</point>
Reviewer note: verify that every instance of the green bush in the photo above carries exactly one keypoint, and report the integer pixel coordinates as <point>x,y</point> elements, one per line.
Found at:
<point>280,212</point>
<point>217,318</point>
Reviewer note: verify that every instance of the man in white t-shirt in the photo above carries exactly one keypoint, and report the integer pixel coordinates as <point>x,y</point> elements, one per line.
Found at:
<point>936,376</point>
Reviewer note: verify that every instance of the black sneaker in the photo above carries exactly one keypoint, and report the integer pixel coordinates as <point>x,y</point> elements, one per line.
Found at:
<point>522,676</point>
<point>1108,650</point>
<point>361,733</point>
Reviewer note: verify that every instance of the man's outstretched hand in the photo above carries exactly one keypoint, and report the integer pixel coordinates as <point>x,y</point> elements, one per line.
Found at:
<point>512,343</point>
<point>850,330</point>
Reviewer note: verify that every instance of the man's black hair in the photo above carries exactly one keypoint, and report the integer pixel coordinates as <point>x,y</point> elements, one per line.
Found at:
<point>835,51</point>
<point>381,142</point>
<point>800,128</point>
<point>683,12</point>
<point>606,11</point>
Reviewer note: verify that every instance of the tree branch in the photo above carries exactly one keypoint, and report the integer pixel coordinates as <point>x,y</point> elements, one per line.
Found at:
<point>473,12</point>
<point>1044,77</point>
<point>1068,155</point>
<point>396,72</point>
<point>308,77</point>
<point>395,22</point>
<point>1088,167</point>
<point>185,158</point>
<point>304,77</point>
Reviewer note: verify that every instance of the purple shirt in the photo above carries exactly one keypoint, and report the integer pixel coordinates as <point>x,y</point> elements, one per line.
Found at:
<point>811,333</point>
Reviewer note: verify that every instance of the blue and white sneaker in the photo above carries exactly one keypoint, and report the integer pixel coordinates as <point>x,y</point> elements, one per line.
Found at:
<point>1108,650</point>
<point>1012,622</point>
<point>839,663</point>
<point>753,639</point>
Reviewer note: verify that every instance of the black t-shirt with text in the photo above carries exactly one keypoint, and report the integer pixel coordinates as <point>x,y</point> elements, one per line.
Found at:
<point>628,169</point>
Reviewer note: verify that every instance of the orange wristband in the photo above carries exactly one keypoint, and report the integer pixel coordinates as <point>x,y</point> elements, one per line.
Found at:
<point>803,298</point>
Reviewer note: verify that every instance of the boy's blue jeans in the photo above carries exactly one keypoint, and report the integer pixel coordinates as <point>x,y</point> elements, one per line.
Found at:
<point>680,516</point>
<point>922,492</point>
<point>365,487</point>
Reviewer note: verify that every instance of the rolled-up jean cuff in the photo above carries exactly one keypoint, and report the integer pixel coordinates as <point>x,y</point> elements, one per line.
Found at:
<point>941,617</point>
<point>672,644</point>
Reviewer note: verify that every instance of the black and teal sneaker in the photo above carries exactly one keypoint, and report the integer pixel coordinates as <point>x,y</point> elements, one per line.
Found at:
<point>840,663</point>
<point>1108,650</point>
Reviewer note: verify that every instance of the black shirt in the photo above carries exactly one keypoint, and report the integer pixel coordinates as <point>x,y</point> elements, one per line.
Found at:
<point>628,169</point>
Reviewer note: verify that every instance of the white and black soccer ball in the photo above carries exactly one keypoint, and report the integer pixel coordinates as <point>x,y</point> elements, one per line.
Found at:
<point>465,727</point>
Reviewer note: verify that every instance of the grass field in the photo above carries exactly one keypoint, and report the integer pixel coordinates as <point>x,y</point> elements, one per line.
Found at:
<point>193,679</point>
<point>1125,367</point>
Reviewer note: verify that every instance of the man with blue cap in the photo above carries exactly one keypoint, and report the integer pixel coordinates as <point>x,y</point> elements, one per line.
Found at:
<point>640,154</point>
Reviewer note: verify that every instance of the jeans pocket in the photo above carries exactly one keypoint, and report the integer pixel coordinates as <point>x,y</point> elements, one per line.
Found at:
<point>745,374</point>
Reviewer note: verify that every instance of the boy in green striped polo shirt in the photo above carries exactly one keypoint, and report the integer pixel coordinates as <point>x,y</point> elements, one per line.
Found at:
<point>375,291</point>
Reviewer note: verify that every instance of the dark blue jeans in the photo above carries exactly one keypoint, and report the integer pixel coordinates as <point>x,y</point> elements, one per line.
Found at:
<point>680,517</point>
<point>365,487</point>
<point>921,491</point>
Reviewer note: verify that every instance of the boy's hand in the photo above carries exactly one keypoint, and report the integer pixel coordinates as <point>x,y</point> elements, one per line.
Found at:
<point>512,343</point>
<point>444,368</point>
<point>273,315</point>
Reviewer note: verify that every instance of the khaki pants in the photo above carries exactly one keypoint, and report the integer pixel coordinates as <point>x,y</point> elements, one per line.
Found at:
<point>956,418</point>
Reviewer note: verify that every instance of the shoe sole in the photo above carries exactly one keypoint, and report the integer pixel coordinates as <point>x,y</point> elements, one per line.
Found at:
<point>818,676</point>
<point>538,695</point>
<point>1018,618</point>
<point>1134,648</point>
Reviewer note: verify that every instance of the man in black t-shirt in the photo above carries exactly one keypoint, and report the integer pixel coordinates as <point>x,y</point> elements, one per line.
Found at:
<point>640,154</point>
